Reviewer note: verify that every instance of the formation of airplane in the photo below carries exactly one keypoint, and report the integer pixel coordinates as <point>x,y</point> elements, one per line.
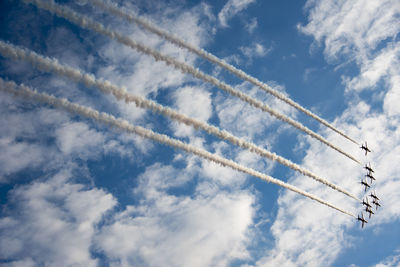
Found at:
<point>375,199</point>
<point>368,208</point>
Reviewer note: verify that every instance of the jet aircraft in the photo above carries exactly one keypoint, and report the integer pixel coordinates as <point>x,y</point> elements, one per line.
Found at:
<point>366,203</point>
<point>362,220</point>
<point>368,167</point>
<point>373,195</point>
<point>365,147</point>
<point>370,176</point>
<point>365,184</point>
<point>376,203</point>
<point>368,209</point>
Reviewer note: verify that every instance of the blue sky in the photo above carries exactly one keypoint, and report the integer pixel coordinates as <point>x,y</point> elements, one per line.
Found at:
<point>74,191</point>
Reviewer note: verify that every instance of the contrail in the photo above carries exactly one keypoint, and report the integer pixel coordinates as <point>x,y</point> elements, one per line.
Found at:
<point>52,65</point>
<point>131,17</point>
<point>64,104</point>
<point>87,23</point>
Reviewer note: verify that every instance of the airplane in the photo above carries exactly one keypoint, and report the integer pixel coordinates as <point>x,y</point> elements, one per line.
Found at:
<point>367,209</point>
<point>365,183</point>
<point>366,203</point>
<point>362,220</point>
<point>368,167</point>
<point>376,204</point>
<point>369,175</point>
<point>373,195</point>
<point>365,148</point>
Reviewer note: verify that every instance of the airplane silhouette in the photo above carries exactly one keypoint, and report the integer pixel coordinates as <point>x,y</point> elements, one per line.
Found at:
<point>362,220</point>
<point>365,147</point>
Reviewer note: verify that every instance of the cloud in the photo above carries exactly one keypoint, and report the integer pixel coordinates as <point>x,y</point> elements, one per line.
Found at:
<point>165,229</point>
<point>391,261</point>
<point>382,65</point>
<point>197,214</point>
<point>16,156</point>
<point>22,142</point>
<point>255,50</point>
<point>252,25</point>
<point>77,138</point>
<point>62,218</point>
<point>248,122</point>
<point>308,234</point>
<point>354,28</point>
<point>230,9</point>
<point>193,102</point>
<point>166,225</point>
<point>304,233</point>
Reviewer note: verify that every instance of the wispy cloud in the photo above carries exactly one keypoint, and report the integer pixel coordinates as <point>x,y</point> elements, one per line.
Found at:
<point>105,118</point>
<point>122,94</point>
<point>252,25</point>
<point>391,261</point>
<point>179,42</point>
<point>179,230</point>
<point>255,50</point>
<point>56,234</point>
<point>344,30</point>
<point>87,23</point>
<point>230,9</point>
<point>353,26</point>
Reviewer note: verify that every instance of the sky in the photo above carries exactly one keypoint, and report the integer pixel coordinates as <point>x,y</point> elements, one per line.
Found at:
<point>75,191</point>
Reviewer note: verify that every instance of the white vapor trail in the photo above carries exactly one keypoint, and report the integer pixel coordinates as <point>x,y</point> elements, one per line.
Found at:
<point>52,65</point>
<point>131,17</point>
<point>87,23</point>
<point>64,104</point>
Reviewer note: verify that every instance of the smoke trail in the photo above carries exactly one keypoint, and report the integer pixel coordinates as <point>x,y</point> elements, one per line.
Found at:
<point>87,23</point>
<point>23,91</point>
<point>52,65</point>
<point>131,17</point>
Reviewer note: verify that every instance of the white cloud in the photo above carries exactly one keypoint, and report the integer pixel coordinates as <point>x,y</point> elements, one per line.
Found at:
<point>22,141</point>
<point>248,122</point>
<point>193,102</point>
<point>27,262</point>
<point>230,9</point>
<point>255,50</point>
<point>210,224</point>
<point>352,26</point>
<point>164,229</point>
<point>391,261</point>
<point>77,138</point>
<point>384,64</point>
<point>210,227</point>
<point>52,222</point>
<point>252,25</point>
<point>141,74</point>
<point>58,39</point>
<point>307,233</point>
<point>312,235</point>
<point>392,98</point>
<point>16,156</point>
